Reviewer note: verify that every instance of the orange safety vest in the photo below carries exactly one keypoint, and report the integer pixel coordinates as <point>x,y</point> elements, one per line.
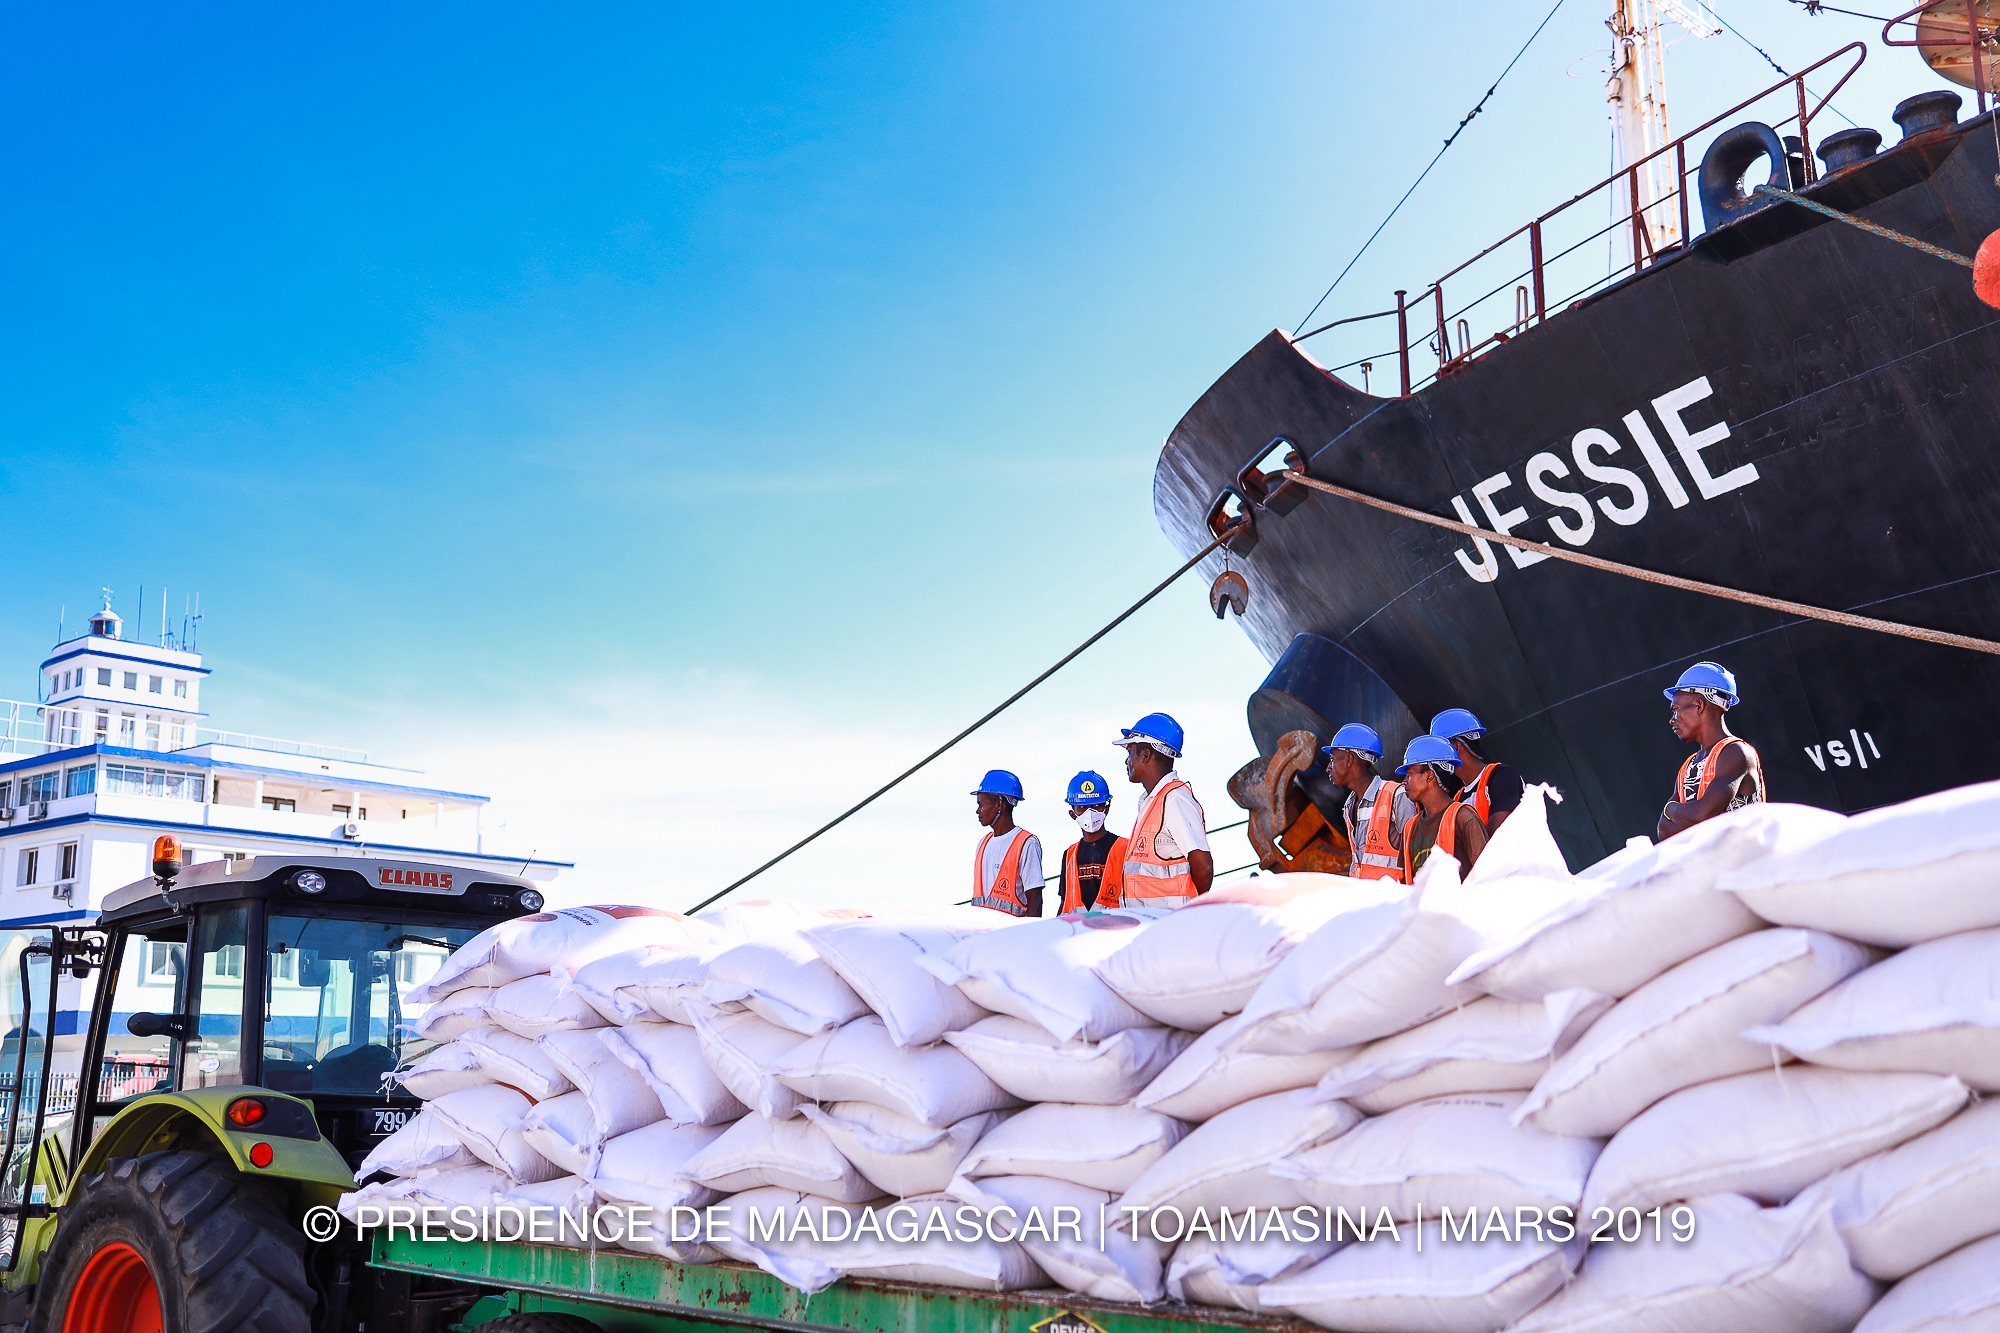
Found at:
<point>1710,764</point>
<point>1447,838</point>
<point>1482,800</point>
<point>1008,895</point>
<point>1110,887</point>
<point>1375,856</point>
<point>1150,879</point>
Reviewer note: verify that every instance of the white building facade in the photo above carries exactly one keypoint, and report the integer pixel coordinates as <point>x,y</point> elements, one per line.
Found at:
<point>115,752</point>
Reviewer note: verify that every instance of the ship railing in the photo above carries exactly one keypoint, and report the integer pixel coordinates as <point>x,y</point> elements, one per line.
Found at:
<point>1549,264</point>
<point>1933,34</point>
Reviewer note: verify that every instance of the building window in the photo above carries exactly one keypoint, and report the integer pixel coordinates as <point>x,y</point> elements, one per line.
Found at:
<point>39,787</point>
<point>152,732</point>
<point>80,780</point>
<point>128,729</point>
<point>6,790</point>
<point>154,684</point>
<point>344,811</point>
<point>180,689</point>
<point>176,736</point>
<point>282,804</point>
<point>104,675</point>
<point>66,861</point>
<point>163,960</point>
<point>170,784</point>
<point>31,865</point>
<point>131,680</point>
<point>103,725</point>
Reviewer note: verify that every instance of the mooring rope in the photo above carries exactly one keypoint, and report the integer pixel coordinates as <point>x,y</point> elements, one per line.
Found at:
<point>1779,604</point>
<point>992,713</point>
<point>1873,228</point>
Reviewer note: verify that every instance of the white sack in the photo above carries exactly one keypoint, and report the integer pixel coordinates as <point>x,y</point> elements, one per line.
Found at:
<point>620,1100</point>
<point>934,1257</point>
<point>538,1004</point>
<point>1228,1273</point>
<point>896,1154</point>
<point>548,1212</point>
<point>782,981</point>
<point>1901,1209</point>
<point>1490,1045</point>
<point>745,1052</point>
<point>1767,1135</point>
<point>1643,909</point>
<point>454,1015</point>
<point>648,1169</point>
<point>1041,971</point>
<point>1386,1286</point>
<point>1025,1060</point>
<point>1210,1076</point>
<point>1957,1294</point>
<point>1894,876</point>
<point>878,958</point>
<point>1228,1162</point>
<point>1106,1262</point>
<point>668,1057</point>
<point>1777,1270</point>
<point>516,1061</point>
<point>1454,1152</point>
<point>744,919</point>
<point>1932,1009</point>
<point>793,1154</point>
<point>1379,969</point>
<point>651,982</point>
<point>487,1120</point>
<point>1099,1147</point>
<point>422,1144</point>
<point>862,1063</point>
<point>795,1256</point>
<point>564,1130</point>
<point>1195,967</point>
<point>542,942</point>
<point>1681,1028</point>
<point>459,1187</point>
<point>443,1069</point>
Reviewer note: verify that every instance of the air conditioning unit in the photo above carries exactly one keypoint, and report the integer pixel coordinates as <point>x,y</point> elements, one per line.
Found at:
<point>6,812</point>
<point>39,810</point>
<point>350,829</point>
<point>64,892</point>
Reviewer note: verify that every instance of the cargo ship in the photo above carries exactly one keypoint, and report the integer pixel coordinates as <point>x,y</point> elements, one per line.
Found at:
<point>1746,393</point>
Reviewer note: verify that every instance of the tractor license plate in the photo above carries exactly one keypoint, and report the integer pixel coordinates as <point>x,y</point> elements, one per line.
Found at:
<point>388,1119</point>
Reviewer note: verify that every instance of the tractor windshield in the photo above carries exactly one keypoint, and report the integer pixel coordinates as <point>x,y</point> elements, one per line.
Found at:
<point>335,1014</point>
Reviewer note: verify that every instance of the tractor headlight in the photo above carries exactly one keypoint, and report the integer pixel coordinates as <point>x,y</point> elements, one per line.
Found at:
<point>309,881</point>
<point>530,900</point>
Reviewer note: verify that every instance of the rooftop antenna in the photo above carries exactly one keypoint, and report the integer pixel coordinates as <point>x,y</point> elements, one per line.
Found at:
<point>139,629</point>
<point>194,626</point>
<point>163,617</point>
<point>62,619</point>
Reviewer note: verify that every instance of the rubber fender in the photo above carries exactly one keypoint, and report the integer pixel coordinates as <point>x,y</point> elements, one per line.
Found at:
<point>1986,270</point>
<point>1726,163</point>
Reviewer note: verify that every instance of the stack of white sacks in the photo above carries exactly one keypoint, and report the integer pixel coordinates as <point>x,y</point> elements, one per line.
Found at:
<point>1746,1060</point>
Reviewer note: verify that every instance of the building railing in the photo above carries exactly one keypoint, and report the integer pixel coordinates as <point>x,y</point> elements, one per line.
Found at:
<point>271,744</point>
<point>1544,267</point>
<point>27,729</point>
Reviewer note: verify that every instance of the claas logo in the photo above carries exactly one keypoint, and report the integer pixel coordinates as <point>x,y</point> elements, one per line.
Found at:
<point>415,879</point>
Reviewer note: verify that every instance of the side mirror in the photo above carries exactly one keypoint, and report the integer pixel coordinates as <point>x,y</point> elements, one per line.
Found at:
<point>158,1025</point>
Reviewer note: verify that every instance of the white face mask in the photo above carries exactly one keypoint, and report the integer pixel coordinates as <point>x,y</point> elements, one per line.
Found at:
<point>1090,821</point>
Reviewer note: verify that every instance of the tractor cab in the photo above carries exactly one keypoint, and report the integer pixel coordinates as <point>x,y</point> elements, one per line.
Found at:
<point>241,1015</point>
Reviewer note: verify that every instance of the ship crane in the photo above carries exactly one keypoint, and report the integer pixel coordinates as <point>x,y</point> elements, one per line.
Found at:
<point>1637,92</point>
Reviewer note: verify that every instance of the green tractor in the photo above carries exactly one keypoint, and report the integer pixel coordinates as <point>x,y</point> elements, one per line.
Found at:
<point>243,1015</point>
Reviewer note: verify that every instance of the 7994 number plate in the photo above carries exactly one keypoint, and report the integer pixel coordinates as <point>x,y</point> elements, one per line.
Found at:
<point>388,1119</point>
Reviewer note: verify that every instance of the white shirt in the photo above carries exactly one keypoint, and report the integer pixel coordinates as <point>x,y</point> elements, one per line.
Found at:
<point>996,852</point>
<point>1183,829</point>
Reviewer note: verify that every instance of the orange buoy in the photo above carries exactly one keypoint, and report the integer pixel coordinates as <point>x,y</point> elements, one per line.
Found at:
<point>1986,270</point>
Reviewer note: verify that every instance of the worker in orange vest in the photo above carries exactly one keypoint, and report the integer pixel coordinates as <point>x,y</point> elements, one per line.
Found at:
<point>1167,862</point>
<point>1376,809</point>
<point>1007,868</point>
<point>1443,824</point>
<point>1492,790</point>
<point>1093,867</point>
<point>1724,772</point>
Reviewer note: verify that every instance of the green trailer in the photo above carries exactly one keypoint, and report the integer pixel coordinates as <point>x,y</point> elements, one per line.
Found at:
<point>547,1289</point>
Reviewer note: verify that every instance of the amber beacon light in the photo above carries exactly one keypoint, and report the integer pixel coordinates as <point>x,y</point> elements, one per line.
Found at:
<point>166,858</point>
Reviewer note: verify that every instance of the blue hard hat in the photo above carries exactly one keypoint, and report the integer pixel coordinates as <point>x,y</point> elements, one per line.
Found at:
<point>1156,727</point>
<point>1428,750</point>
<point>1707,676</point>
<point>1455,722</point>
<point>1355,736</point>
<point>1089,788</point>
<point>1000,783</point>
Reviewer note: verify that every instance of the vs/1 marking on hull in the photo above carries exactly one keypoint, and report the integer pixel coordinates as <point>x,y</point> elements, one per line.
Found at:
<point>1844,754</point>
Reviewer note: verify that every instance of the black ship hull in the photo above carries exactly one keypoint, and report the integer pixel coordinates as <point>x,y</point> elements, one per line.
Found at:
<point>1859,384</point>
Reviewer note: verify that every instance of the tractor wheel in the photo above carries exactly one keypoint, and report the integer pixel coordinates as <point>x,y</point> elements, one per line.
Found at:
<point>173,1242</point>
<point>538,1323</point>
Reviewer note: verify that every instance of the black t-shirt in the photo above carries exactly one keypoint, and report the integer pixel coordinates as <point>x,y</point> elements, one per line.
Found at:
<point>1090,859</point>
<point>1503,789</point>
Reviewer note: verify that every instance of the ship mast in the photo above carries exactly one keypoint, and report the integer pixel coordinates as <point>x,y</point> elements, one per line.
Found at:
<point>1637,93</point>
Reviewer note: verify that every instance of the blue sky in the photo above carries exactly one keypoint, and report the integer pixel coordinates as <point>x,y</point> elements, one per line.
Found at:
<point>672,421</point>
